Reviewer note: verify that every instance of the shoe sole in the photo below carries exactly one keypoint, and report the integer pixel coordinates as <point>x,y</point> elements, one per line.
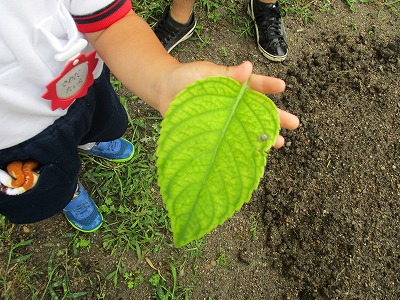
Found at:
<point>265,53</point>
<point>122,159</point>
<point>184,38</point>
<point>86,231</point>
<point>113,160</point>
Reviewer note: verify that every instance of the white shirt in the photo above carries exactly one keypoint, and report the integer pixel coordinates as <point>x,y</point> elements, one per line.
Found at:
<point>37,39</point>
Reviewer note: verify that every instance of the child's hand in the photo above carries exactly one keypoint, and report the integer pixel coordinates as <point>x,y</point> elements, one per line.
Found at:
<point>184,74</point>
<point>136,57</point>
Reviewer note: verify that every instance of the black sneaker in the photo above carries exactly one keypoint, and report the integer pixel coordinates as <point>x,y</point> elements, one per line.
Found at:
<point>271,36</point>
<point>170,32</point>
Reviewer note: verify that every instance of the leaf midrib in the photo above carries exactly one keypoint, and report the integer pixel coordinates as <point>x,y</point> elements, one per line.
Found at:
<point>238,98</point>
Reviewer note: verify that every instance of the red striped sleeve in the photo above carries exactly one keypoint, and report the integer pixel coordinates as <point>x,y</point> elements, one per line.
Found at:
<point>103,18</point>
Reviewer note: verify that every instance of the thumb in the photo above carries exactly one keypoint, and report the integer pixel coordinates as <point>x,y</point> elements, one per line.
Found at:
<point>240,72</point>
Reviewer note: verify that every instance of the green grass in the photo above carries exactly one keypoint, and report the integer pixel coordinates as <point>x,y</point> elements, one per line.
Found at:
<point>134,241</point>
<point>14,272</point>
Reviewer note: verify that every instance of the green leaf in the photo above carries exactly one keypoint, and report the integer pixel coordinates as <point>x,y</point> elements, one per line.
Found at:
<point>76,295</point>
<point>20,258</point>
<point>212,153</point>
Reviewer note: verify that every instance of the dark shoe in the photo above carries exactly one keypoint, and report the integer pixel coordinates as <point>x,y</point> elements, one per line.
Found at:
<point>271,36</point>
<point>170,32</point>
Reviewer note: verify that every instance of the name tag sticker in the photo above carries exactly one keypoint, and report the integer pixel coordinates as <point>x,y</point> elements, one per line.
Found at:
<point>73,82</point>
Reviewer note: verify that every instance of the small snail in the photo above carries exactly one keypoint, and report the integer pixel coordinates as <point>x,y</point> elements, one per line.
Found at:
<point>263,137</point>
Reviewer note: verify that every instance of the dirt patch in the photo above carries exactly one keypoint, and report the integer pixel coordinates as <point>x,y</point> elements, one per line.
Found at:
<point>327,209</point>
<point>324,222</point>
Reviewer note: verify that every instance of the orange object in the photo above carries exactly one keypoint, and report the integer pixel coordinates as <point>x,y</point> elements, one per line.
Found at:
<point>20,177</point>
<point>30,176</point>
<point>15,170</point>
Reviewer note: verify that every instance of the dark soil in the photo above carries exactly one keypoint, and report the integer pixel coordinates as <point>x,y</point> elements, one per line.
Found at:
<point>327,209</point>
<point>324,222</point>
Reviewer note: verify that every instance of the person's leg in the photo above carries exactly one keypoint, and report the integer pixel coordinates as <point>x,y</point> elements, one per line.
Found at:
<point>99,116</point>
<point>176,24</point>
<point>181,10</point>
<point>109,119</point>
<point>270,32</point>
<point>55,151</point>
<point>108,124</point>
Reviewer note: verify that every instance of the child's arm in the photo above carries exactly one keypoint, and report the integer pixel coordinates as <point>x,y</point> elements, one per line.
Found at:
<point>136,57</point>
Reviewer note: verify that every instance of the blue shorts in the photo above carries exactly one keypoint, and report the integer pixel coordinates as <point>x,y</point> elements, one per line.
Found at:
<point>97,117</point>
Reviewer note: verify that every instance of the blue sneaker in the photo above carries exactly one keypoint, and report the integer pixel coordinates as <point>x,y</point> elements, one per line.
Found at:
<point>82,213</point>
<point>118,150</point>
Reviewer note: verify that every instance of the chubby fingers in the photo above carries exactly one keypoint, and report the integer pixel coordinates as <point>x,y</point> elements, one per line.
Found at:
<point>265,85</point>
<point>280,141</point>
<point>288,120</point>
<point>259,83</point>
